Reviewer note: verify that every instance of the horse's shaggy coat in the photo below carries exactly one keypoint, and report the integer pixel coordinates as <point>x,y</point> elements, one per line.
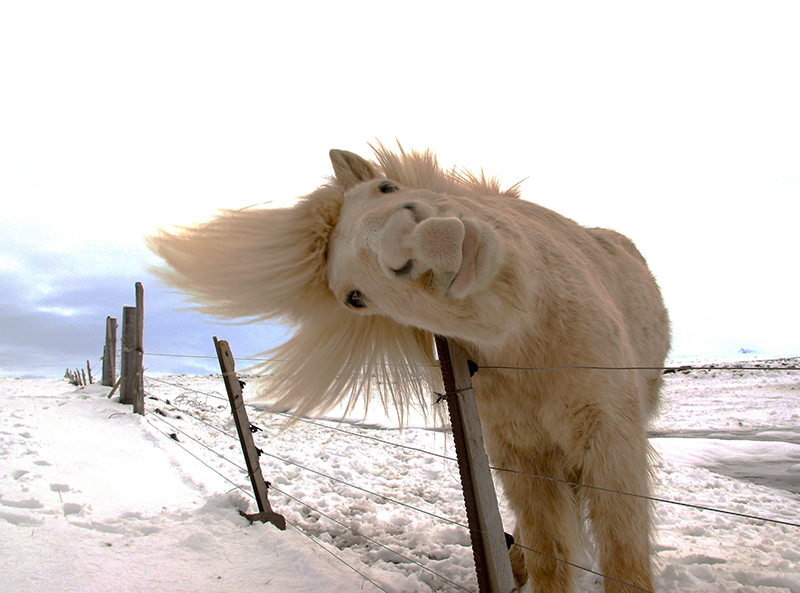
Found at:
<point>369,266</point>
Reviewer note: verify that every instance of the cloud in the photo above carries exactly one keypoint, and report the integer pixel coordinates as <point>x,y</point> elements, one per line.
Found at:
<point>55,304</point>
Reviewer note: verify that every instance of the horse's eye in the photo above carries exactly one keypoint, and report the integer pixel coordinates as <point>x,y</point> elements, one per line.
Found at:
<point>355,299</point>
<point>387,187</point>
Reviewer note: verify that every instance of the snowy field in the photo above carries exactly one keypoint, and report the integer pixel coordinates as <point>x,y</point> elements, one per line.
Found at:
<point>94,498</point>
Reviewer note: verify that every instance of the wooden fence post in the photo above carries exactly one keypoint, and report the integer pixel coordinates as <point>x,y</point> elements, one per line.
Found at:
<point>127,373</point>
<point>131,390</point>
<point>89,372</point>
<point>234,389</point>
<point>110,353</point>
<point>138,354</point>
<point>489,546</point>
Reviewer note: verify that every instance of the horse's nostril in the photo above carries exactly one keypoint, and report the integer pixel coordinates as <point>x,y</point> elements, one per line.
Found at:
<point>405,270</point>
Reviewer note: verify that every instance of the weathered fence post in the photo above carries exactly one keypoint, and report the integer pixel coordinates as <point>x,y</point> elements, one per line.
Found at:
<point>489,546</point>
<point>89,372</point>
<point>138,361</point>
<point>131,390</point>
<point>126,360</point>
<point>110,353</point>
<point>234,389</point>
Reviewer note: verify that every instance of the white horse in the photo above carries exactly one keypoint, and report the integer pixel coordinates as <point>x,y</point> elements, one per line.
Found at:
<point>368,267</point>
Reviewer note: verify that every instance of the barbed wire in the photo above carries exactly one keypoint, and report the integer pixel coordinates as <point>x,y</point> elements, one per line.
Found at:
<point>666,369</point>
<point>340,559</point>
<point>370,492</point>
<point>422,451</point>
<point>646,497</point>
<point>250,494</point>
<point>184,388</point>
<point>669,369</point>
<point>286,494</point>
<point>356,532</point>
<point>500,469</point>
<point>368,538</point>
<point>363,436</point>
<point>298,465</point>
<point>208,357</point>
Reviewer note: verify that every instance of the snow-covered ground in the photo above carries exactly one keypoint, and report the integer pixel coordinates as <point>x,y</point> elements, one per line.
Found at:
<point>95,498</point>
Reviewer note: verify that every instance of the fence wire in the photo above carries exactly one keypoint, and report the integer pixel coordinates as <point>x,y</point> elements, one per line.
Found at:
<point>297,500</point>
<point>500,469</point>
<point>665,369</point>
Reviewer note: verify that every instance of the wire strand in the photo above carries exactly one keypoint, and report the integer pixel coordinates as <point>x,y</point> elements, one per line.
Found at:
<point>213,395</point>
<point>411,560</point>
<point>674,369</point>
<point>500,469</point>
<point>392,500</point>
<point>594,572</point>
<point>367,437</point>
<point>342,560</point>
<point>237,486</point>
<point>654,499</point>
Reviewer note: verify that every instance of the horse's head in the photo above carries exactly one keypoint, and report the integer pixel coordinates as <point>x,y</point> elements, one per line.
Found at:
<point>407,253</point>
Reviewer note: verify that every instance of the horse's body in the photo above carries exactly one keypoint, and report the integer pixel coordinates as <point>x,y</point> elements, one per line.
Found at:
<point>369,266</point>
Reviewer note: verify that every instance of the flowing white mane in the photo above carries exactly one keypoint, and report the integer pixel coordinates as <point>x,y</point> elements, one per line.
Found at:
<point>270,263</point>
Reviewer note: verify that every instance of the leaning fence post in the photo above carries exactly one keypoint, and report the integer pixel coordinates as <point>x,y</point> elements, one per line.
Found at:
<point>234,389</point>
<point>489,546</point>
<point>110,353</point>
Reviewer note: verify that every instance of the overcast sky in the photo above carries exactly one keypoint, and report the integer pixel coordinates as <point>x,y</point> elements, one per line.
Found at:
<point>675,123</point>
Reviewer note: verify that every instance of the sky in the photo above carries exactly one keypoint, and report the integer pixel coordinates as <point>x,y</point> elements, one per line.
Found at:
<point>674,123</point>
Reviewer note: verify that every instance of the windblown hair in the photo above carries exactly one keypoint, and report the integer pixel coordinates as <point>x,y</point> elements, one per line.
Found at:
<point>270,263</point>
<point>364,268</point>
<point>421,170</point>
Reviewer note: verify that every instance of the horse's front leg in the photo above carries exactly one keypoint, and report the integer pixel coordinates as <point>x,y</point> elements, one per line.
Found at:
<point>617,460</point>
<point>548,520</point>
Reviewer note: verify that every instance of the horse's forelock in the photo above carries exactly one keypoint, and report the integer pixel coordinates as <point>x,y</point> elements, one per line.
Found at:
<point>421,170</point>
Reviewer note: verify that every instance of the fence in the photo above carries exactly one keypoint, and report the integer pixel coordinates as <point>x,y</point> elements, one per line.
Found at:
<point>188,419</point>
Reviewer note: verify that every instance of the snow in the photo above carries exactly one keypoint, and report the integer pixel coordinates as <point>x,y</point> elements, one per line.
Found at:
<point>95,498</point>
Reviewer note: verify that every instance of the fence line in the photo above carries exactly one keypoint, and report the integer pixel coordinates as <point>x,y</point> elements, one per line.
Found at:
<point>251,495</point>
<point>498,469</point>
<point>203,356</point>
<point>339,558</point>
<point>654,499</point>
<point>322,426</point>
<point>683,368</point>
<point>502,469</point>
<point>213,395</point>
<point>363,436</point>
<point>243,470</point>
<point>288,462</point>
<point>666,369</point>
<point>368,538</point>
<point>287,495</point>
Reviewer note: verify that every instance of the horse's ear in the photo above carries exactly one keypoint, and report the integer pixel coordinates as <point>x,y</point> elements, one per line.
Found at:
<point>350,169</point>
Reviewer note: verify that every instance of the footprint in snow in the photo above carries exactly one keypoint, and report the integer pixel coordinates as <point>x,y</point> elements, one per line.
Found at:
<point>30,503</point>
